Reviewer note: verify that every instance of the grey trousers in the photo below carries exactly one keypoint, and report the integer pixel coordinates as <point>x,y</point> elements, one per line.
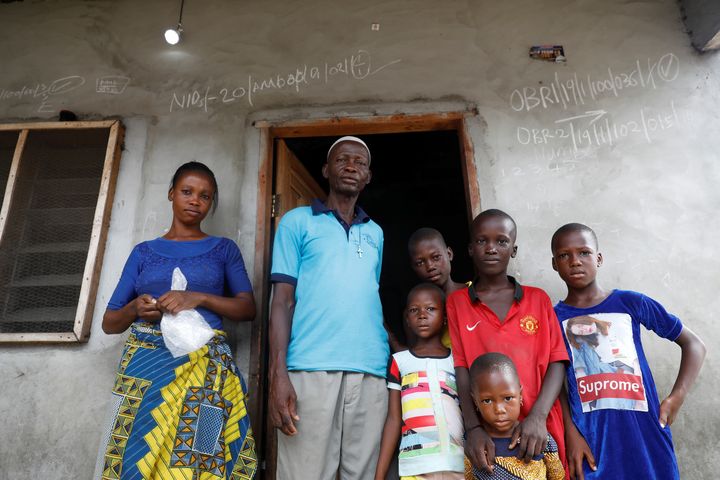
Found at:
<point>342,415</point>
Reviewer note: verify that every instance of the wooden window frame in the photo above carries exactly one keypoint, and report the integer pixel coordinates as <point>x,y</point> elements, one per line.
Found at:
<point>334,126</point>
<point>101,222</point>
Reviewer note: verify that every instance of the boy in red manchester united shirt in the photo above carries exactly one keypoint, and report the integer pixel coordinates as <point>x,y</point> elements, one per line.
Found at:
<point>497,314</point>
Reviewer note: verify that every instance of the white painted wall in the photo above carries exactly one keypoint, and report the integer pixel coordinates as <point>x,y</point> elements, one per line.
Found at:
<point>651,194</point>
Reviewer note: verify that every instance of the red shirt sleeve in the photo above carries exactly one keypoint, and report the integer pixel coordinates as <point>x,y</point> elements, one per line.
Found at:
<point>453,326</point>
<point>394,381</point>
<point>558,352</point>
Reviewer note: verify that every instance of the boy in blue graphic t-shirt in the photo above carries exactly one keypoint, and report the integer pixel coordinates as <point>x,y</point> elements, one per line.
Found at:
<point>612,415</point>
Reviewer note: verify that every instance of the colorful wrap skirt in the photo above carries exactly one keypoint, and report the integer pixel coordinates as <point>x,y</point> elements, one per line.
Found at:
<point>177,418</point>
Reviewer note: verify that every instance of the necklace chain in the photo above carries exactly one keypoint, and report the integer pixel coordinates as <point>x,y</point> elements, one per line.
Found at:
<point>357,242</point>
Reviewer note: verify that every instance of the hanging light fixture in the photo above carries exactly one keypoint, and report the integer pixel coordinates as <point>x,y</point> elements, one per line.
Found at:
<point>172,35</point>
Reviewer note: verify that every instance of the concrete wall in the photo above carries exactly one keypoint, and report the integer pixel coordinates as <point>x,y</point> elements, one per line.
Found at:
<point>642,167</point>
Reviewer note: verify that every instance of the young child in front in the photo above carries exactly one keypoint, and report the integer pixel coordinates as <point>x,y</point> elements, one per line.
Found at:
<point>497,394</point>
<point>497,314</point>
<point>423,408</point>
<point>613,418</point>
<point>430,259</point>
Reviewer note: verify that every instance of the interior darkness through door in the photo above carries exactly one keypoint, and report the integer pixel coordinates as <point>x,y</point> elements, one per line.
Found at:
<point>417,182</point>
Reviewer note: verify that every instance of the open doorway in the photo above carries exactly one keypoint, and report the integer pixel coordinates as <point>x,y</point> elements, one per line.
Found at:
<point>423,175</point>
<point>417,182</point>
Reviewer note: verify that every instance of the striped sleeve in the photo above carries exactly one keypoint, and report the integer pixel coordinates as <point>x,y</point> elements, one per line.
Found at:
<point>394,381</point>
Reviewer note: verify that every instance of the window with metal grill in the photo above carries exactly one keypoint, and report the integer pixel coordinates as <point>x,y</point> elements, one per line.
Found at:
<point>57,182</point>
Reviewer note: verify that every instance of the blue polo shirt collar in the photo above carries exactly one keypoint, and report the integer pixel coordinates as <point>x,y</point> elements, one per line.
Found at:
<point>319,208</point>
<point>517,296</point>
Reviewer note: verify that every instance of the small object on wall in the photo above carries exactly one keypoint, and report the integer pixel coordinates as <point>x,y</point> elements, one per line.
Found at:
<point>552,53</point>
<point>67,116</point>
<point>375,27</point>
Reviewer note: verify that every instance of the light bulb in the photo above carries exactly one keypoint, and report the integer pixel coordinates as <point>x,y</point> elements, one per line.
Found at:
<point>172,36</point>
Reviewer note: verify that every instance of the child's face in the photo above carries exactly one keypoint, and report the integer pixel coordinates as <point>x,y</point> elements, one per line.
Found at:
<point>492,245</point>
<point>424,313</point>
<point>497,396</point>
<point>576,259</point>
<point>430,260</point>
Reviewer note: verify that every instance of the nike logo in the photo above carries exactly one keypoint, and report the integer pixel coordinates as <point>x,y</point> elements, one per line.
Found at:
<point>470,329</point>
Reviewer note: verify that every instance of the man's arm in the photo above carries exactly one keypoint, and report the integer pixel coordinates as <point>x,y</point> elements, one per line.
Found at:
<point>479,447</point>
<point>532,431</point>
<point>693,355</point>
<point>283,413</point>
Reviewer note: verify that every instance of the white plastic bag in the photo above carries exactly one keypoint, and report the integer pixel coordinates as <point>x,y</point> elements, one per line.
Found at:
<point>187,331</point>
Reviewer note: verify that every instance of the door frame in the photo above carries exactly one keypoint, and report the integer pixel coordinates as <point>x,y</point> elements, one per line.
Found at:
<point>321,127</point>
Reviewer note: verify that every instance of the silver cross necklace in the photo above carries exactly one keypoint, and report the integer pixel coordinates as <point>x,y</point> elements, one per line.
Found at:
<point>359,248</point>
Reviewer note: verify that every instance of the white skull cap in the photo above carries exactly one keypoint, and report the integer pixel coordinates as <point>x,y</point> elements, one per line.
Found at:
<point>348,139</point>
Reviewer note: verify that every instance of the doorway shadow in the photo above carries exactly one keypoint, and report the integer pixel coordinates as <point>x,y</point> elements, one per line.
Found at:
<point>417,182</point>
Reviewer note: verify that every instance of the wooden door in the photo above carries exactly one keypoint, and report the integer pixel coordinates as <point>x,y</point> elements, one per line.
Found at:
<point>294,186</point>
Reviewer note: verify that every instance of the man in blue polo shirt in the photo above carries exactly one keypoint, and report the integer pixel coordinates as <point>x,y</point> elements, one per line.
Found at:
<point>328,347</point>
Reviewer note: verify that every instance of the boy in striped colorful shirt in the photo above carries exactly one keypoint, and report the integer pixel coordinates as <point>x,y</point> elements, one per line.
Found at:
<point>423,406</point>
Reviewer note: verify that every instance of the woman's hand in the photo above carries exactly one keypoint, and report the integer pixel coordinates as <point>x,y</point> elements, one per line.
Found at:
<point>176,301</point>
<point>241,307</point>
<point>144,306</point>
<point>147,309</point>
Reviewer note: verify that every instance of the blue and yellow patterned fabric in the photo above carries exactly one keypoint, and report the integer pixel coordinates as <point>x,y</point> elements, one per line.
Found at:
<point>546,466</point>
<point>177,418</point>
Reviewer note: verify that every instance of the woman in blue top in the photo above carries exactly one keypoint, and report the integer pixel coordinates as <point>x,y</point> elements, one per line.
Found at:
<point>179,417</point>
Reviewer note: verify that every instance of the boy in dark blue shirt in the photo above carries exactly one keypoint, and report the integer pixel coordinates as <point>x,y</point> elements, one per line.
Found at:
<point>612,415</point>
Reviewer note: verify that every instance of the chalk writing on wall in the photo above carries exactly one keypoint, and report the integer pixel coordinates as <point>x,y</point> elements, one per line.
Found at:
<point>537,169</point>
<point>47,93</point>
<point>576,91</point>
<point>577,135</point>
<point>56,87</point>
<point>356,66</point>
<point>596,128</point>
<point>112,84</point>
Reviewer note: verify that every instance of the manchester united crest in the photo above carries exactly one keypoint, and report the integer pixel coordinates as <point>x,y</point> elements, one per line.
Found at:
<point>529,325</point>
